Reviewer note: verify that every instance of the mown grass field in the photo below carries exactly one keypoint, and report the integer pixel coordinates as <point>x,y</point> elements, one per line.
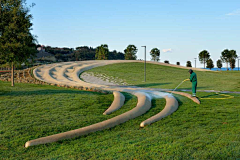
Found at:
<point>169,77</point>
<point>207,131</point>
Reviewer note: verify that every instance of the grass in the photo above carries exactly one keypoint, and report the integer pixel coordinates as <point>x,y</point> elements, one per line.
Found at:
<point>28,111</point>
<point>169,77</point>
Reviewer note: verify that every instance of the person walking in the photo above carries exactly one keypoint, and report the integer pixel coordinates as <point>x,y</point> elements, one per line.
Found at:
<point>193,79</point>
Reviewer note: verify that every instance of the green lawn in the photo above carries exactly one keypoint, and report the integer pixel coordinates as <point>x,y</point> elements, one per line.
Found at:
<point>207,131</point>
<point>169,77</point>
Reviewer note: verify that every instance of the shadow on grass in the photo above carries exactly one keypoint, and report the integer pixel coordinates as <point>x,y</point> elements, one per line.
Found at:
<point>180,103</point>
<point>128,96</point>
<point>154,104</point>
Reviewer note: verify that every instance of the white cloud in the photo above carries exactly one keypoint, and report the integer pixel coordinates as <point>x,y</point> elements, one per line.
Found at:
<point>234,13</point>
<point>167,50</point>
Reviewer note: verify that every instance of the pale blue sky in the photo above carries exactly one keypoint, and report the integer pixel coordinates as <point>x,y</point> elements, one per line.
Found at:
<point>185,27</point>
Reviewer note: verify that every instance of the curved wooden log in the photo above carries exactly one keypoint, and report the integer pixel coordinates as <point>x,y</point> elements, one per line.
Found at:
<point>170,107</point>
<point>194,99</point>
<point>117,103</point>
<point>143,105</point>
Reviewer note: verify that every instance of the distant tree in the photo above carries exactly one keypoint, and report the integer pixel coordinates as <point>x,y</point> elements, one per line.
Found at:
<point>84,53</point>
<point>17,44</point>
<point>232,59</point>
<point>219,63</point>
<point>225,56</point>
<point>130,52</point>
<point>203,56</point>
<point>88,53</point>
<point>166,61</point>
<point>102,52</point>
<point>155,53</point>
<point>178,63</point>
<point>210,64</point>
<point>228,55</point>
<point>115,55</point>
<point>232,63</point>
<point>189,64</point>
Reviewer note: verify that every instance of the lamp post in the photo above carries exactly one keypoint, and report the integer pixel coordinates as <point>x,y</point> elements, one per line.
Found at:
<point>195,62</point>
<point>145,65</point>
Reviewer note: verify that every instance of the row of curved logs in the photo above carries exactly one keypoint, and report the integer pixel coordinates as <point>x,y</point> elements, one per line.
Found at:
<point>143,105</point>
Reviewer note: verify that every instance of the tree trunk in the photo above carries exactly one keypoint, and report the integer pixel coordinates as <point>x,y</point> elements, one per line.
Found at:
<point>227,66</point>
<point>12,74</point>
<point>204,61</point>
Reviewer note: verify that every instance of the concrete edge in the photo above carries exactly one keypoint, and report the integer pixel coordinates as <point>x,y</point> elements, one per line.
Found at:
<point>117,103</point>
<point>194,99</point>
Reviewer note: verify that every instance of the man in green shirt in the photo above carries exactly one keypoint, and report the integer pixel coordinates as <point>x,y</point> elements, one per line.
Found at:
<point>193,79</point>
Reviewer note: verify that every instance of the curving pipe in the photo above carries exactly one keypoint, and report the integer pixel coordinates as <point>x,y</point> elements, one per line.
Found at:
<point>117,103</point>
<point>143,105</point>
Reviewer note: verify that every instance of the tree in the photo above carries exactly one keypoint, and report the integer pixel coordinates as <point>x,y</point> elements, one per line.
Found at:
<point>219,63</point>
<point>204,56</point>
<point>232,63</point>
<point>130,52</point>
<point>155,53</point>
<point>225,55</point>
<point>232,59</point>
<point>189,64</point>
<point>210,64</point>
<point>84,53</point>
<point>116,55</point>
<point>17,44</point>
<point>102,52</point>
<point>178,63</point>
<point>228,55</point>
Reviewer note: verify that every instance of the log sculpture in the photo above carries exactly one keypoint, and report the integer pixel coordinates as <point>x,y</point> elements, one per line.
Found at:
<point>118,102</point>
<point>194,99</point>
<point>143,105</point>
<point>59,74</point>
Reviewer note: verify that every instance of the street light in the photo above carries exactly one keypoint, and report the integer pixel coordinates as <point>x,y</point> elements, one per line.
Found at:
<point>195,62</point>
<point>145,65</point>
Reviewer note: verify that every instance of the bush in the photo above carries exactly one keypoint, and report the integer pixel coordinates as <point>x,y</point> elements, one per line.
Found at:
<point>178,63</point>
<point>189,64</point>
<point>166,61</point>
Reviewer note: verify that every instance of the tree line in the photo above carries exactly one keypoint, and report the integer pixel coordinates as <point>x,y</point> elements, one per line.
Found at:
<point>227,56</point>
<point>101,52</point>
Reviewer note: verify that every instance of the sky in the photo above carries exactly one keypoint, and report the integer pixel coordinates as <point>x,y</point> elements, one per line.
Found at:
<point>181,29</point>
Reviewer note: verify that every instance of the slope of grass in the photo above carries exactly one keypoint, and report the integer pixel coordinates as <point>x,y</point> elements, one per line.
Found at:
<point>169,77</point>
<point>206,131</point>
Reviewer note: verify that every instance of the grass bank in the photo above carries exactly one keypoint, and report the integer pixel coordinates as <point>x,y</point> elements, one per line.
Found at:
<point>169,77</point>
<point>28,111</point>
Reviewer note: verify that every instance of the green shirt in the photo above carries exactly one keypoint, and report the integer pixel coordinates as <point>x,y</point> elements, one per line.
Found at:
<point>193,77</point>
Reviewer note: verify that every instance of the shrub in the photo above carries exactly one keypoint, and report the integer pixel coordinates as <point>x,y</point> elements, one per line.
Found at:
<point>166,61</point>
